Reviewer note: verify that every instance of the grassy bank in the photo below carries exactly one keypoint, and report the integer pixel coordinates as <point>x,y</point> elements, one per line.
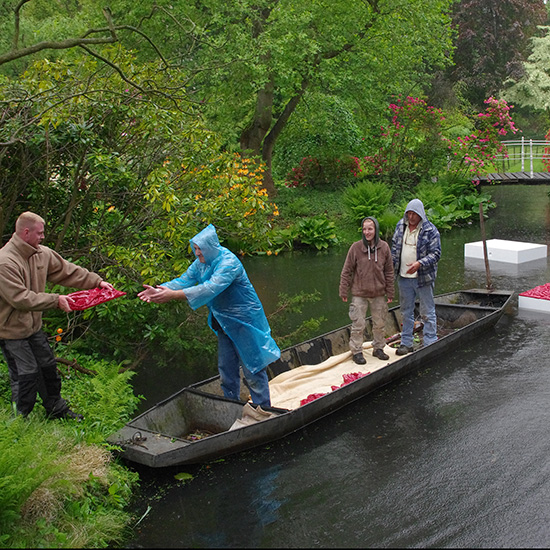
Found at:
<point>60,486</point>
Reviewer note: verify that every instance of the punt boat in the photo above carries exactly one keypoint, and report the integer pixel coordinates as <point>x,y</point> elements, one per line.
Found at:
<point>198,424</point>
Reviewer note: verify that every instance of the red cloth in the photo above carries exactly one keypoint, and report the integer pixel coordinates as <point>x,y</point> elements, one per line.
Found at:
<point>541,292</point>
<point>352,377</point>
<point>84,299</point>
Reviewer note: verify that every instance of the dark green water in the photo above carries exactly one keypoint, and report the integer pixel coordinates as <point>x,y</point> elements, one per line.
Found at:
<point>454,455</point>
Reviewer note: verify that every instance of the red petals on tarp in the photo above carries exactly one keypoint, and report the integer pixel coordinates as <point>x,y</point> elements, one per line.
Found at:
<point>85,299</point>
<point>352,377</point>
<point>541,292</point>
<point>311,397</point>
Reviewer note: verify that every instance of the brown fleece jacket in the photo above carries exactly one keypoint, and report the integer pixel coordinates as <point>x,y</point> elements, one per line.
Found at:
<point>367,273</point>
<point>24,271</point>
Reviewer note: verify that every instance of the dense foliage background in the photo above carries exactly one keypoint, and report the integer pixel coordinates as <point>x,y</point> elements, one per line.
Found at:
<point>131,126</point>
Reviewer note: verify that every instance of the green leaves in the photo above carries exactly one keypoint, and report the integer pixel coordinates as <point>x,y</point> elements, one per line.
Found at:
<point>315,232</point>
<point>366,199</point>
<point>183,476</point>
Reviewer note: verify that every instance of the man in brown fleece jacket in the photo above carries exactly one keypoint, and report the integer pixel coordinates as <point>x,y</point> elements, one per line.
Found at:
<point>25,268</point>
<point>368,274</point>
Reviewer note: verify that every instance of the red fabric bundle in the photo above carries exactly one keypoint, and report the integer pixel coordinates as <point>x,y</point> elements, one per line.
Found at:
<point>352,377</point>
<point>85,299</point>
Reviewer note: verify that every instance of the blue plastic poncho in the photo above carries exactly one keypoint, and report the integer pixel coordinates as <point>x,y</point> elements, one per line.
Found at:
<point>223,285</point>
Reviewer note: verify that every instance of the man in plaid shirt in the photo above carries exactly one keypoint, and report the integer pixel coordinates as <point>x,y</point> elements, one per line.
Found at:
<point>416,249</point>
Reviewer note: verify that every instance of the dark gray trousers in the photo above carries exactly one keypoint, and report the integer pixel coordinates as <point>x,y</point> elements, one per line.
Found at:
<point>33,371</point>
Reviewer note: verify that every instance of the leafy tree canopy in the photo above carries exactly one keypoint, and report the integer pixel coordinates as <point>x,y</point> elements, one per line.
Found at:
<point>492,42</point>
<point>266,56</point>
<point>249,63</point>
<point>533,88</point>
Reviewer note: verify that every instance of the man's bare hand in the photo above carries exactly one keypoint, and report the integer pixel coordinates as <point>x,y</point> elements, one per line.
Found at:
<point>106,285</point>
<point>160,294</point>
<point>64,303</point>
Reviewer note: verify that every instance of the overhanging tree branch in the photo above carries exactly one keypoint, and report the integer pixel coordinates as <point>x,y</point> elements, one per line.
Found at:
<point>52,45</point>
<point>18,53</point>
<point>85,40</point>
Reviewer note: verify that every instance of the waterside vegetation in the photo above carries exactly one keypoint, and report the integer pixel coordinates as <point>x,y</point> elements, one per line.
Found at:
<point>282,124</point>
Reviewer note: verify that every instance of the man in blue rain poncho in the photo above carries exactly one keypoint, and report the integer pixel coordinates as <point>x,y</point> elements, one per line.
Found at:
<point>218,280</point>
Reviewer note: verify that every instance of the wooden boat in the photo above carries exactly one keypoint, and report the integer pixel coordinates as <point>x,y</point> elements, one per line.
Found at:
<point>197,424</point>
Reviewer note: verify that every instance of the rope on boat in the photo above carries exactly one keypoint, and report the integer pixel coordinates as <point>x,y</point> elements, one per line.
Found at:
<point>136,439</point>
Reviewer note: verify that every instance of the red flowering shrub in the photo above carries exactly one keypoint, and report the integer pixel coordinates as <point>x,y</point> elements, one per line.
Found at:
<point>546,156</point>
<point>329,172</point>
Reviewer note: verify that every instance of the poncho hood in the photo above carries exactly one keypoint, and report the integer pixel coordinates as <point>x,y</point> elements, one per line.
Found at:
<point>207,240</point>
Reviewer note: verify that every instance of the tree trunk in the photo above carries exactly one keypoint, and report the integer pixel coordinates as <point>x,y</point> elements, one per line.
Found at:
<point>252,137</point>
<point>260,136</point>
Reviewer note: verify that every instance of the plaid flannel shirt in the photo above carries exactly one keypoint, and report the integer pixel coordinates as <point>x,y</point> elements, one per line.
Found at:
<point>428,250</point>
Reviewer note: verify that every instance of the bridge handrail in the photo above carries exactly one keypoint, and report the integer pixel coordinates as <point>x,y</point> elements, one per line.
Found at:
<point>523,149</point>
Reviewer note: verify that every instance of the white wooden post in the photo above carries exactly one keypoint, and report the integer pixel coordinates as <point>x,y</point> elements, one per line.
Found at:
<point>522,154</point>
<point>531,153</point>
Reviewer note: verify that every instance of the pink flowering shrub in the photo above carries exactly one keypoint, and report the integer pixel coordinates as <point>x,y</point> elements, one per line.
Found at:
<point>473,155</point>
<point>415,146</point>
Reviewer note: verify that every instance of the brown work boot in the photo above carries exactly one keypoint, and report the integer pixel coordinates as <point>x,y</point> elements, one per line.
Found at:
<point>380,354</point>
<point>403,350</point>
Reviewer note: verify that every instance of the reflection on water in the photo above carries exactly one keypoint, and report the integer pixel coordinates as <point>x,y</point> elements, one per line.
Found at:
<point>454,455</point>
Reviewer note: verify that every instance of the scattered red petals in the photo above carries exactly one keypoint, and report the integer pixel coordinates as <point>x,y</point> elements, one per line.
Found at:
<point>348,378</point>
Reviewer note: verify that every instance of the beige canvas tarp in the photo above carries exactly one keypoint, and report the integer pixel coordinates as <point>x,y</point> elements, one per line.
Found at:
<point>289,388</point>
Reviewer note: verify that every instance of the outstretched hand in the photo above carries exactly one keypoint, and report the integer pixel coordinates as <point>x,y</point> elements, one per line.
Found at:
<point>158,294</point>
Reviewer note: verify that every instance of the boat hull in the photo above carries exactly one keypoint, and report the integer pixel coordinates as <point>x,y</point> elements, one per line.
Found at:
<point>159,437</point>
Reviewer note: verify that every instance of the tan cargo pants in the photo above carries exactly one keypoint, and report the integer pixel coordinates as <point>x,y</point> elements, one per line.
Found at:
<point>358,313</point>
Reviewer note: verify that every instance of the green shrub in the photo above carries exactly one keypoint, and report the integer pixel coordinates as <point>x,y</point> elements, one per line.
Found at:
<point>315,232</point>
<point>434,193</point>
<point>331,172</point>
<point>449,202</point>
<point>387,222</point>
<point>367,198</point>
<point>322,126</point>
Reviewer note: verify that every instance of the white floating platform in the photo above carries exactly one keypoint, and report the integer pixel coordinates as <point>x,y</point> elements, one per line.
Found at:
<point>536,299</point>
<point>506,251</point>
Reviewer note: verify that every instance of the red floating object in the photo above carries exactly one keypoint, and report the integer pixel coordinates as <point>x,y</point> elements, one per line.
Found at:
<point>541,292</point>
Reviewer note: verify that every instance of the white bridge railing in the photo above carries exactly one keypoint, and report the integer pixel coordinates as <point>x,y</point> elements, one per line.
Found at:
<point>525,151</point>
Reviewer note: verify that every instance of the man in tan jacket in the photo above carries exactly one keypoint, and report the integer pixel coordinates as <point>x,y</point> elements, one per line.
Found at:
<point>25,268</point>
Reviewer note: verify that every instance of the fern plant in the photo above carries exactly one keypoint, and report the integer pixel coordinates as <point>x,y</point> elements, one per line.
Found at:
<point>366,199</point>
